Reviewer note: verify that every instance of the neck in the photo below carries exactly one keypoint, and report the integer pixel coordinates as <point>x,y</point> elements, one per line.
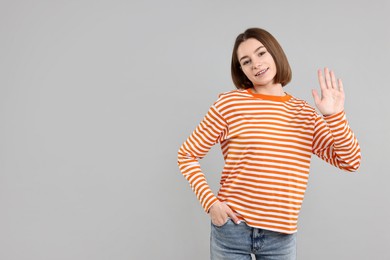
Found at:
<point>272,90</point>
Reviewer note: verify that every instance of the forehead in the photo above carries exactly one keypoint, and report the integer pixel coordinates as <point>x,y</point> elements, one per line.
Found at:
<point>248,47</point>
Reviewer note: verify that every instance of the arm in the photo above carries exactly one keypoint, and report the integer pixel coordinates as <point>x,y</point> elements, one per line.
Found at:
<point>333,140</point>
<point>211,130</point>
<point>335,143</point>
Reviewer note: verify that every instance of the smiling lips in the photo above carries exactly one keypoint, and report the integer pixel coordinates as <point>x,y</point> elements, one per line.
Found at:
<point>261,72</point>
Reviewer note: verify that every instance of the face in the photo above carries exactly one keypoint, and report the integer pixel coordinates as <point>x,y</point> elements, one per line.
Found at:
<point>256,63</point>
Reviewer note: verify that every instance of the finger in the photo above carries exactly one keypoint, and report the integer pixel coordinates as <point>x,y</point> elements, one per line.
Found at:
<point>333,78</point>
<point>233,216</point>
<point>321,80</point>
<point>341,87</point>
<point>327,78</point>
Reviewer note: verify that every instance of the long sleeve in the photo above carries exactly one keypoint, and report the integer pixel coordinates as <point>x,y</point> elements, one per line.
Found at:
<point>267,143</point>
<point>335,143</point>
<point>211,130</point>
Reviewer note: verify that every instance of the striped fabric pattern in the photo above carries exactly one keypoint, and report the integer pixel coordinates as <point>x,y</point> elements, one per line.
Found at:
<point>267,143</point>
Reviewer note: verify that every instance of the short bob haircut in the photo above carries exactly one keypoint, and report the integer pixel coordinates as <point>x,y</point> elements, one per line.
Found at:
<point>283,70</point>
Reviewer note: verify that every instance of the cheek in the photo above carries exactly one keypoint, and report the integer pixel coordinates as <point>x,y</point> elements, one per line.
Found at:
<point>248,75</point>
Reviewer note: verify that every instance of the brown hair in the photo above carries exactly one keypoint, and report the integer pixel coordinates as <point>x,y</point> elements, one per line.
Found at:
<point>283,70</point>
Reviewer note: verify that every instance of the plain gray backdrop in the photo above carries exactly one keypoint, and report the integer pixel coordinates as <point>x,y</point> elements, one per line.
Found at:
<point>96,98</point>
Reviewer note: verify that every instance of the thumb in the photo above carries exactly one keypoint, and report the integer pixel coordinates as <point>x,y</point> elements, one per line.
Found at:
<point>315,96</point>
<point>233,216</point>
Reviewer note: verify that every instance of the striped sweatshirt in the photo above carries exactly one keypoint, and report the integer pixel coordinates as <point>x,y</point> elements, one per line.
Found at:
<point>267,143</point>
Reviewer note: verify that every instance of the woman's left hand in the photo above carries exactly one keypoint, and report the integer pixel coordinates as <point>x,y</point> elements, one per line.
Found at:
<point>332,93</point>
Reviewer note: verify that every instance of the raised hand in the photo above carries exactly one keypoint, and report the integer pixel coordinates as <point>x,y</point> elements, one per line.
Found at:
<point>332,93</point>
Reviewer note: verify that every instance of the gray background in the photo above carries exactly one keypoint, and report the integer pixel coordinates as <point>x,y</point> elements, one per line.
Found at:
<point>97,96</point>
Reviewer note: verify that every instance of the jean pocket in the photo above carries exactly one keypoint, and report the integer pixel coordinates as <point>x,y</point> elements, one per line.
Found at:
<point>224,224</point>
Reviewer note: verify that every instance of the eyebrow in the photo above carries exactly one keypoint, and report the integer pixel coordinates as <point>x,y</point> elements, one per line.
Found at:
<point>253,52</point>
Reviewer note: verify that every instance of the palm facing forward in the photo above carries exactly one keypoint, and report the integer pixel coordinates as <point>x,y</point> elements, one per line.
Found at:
<point>332,94</point>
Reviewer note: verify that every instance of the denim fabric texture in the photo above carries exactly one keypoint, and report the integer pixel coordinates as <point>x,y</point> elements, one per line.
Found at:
<point>239,241</point>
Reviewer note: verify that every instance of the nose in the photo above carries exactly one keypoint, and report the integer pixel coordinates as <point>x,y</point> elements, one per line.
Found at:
<point>256,64</point>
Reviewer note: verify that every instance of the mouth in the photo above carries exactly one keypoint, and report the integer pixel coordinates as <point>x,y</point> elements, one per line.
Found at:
<point>261,72</point>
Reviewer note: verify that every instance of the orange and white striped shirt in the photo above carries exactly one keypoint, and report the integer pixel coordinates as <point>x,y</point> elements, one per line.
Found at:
<point>267,143</point>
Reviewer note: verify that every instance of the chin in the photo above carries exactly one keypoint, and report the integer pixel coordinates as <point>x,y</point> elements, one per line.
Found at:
<point>263,83</point>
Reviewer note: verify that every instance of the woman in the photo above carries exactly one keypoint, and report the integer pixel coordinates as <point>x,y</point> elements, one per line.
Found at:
<point>267,137</point>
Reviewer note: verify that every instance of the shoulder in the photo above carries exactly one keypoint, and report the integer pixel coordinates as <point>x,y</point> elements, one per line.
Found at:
<point>232,95</point>
<point>301,104</point>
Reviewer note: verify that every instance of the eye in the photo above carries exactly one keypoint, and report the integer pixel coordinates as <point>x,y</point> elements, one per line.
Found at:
<point>262,53</point>
<point>246,62</point>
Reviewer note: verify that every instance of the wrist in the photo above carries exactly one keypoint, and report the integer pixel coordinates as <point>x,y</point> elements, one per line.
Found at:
<point>335,114</point>
<point>213,206</point>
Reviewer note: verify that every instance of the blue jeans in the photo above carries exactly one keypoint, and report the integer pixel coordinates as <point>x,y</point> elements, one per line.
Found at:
<point>238,242</point>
